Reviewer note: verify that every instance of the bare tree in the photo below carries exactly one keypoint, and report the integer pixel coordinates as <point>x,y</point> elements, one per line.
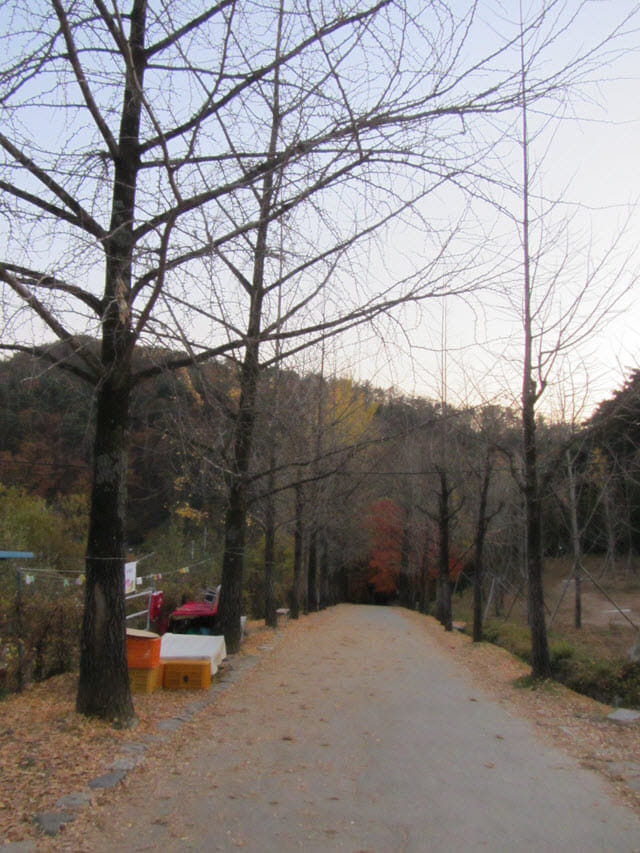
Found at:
<point>443,599</point>
<point>549,330</point>
<point>147,152</point>
<point>55,190</point>
<point>485,512</point>
<point>350,166</point>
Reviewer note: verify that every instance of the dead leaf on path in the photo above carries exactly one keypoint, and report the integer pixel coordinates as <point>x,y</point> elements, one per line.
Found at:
<point>49,751</point>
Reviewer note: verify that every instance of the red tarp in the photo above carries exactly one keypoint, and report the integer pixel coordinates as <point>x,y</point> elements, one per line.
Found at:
<point>195,610</point>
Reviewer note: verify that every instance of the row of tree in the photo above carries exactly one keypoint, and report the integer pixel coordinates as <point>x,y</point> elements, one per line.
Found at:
<point>371,496</point>
<point>215,179</point>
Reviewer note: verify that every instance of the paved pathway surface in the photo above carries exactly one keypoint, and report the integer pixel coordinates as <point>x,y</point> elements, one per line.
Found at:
<point>357,733</point>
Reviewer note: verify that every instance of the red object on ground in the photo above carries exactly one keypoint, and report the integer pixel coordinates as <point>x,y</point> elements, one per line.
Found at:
<point>195,610</point>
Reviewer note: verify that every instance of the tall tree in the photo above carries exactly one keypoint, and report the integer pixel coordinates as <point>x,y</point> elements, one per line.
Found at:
<point>146,152</point>
<point>551,325</point>
<point>119,147</point>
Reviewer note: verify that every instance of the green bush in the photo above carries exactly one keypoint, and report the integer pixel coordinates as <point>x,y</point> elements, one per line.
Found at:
<point>608,681</point>
<point>630,680</point>
<point>599,679</point>
<point>509,635</point>
<point>562,655</point>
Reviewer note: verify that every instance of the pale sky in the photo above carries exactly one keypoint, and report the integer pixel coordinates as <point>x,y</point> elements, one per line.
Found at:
<point>591,169</point>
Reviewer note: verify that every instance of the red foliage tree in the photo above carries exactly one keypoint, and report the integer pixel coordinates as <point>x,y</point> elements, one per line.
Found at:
<point>385,524</point>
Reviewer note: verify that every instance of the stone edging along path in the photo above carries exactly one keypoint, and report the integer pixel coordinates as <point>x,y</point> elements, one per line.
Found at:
<point>132,755</point>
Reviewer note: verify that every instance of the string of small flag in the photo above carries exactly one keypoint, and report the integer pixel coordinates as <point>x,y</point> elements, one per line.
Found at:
<point>69,576</point>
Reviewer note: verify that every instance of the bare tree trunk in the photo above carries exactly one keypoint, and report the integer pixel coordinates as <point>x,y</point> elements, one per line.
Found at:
<point>297,553</point>
<point>424,569</point>
<point>103,684</point>
<point>324,583</point>
<point>575,540</point>
<point>312,572</point>
<point>610,521</point>
<point>443,602</point>
<point>235,520</point>
<point>270,617</point>
<point>234,540</point>
<point>628,513</point>
<point>481,532</point>
<point>540,660</point>
<point>404,583</point>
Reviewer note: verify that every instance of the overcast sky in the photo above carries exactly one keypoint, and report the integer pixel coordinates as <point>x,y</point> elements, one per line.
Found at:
<point>591,171</point>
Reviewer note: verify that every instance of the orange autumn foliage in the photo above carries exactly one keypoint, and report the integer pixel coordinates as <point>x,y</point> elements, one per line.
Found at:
<point>385,524</point>
<point>386,521</point>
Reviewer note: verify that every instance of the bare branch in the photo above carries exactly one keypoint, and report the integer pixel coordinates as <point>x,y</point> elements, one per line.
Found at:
<point>35,278</point>
<point>191,25</point>
<point>80,218</point>
<point>50,320</point>
<point>81,79</point>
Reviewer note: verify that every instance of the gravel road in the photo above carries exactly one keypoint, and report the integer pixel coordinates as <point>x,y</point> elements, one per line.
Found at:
<point>356,732</point>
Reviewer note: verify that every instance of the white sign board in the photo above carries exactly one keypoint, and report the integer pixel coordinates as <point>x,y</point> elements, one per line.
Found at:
<point>129,578</point>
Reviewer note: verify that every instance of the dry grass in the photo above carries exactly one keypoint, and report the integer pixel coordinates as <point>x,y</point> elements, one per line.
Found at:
<point>605,632</point>
<point>47,750</point>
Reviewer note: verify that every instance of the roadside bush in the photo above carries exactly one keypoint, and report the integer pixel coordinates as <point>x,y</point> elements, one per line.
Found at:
<point>562,655</point>
<point>49,639</point>
<point>52,641</point>
<point>599,679</point>
<point>586,660</point>
<point>630,679</point>
<point>509,635</point>
<point>608,681</point>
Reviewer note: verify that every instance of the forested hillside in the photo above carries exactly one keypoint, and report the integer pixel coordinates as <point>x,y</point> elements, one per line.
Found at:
<point>348,481</point>
<point>356,494</point>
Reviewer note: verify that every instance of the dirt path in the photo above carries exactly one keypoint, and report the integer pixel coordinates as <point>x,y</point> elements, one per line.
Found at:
<point>356,731</point>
